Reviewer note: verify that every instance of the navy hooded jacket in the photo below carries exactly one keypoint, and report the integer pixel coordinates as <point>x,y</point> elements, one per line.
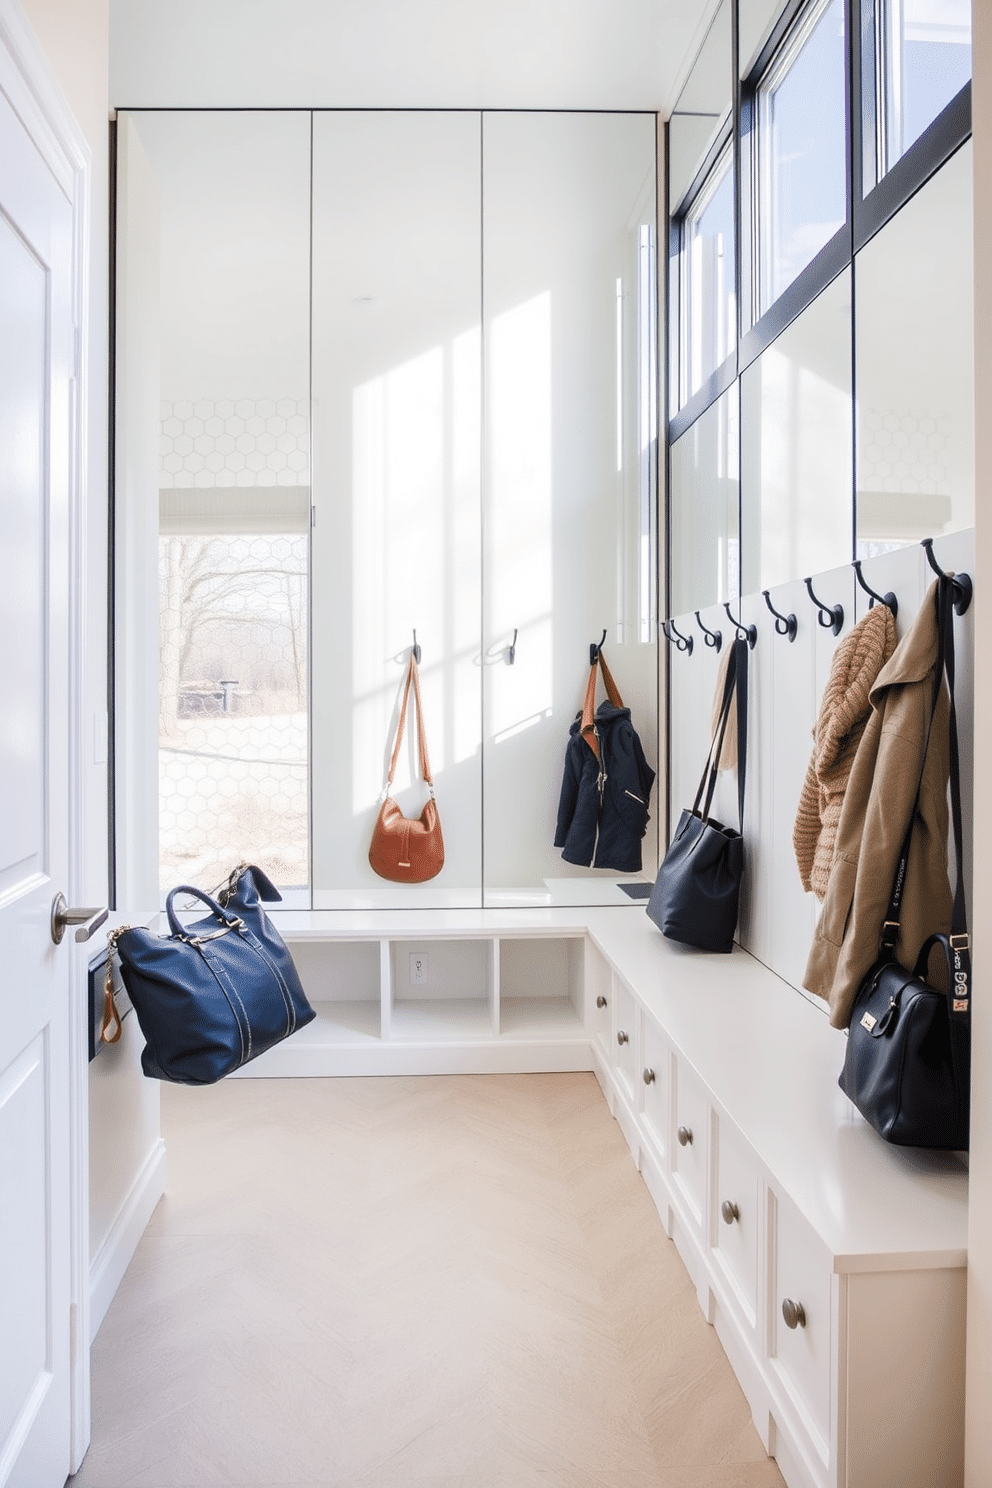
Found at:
<point>603,812</point>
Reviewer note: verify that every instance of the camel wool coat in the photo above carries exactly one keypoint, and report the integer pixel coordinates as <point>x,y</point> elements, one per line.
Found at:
<point>873,820</point>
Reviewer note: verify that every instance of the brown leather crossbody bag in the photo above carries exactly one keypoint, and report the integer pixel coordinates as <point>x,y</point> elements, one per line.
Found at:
<point>408,849</point>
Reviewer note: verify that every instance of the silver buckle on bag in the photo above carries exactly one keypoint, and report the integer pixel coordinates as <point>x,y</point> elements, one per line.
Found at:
<point>198,940</point>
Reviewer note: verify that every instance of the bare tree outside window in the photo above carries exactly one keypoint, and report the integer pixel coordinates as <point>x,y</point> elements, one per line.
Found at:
<point>233,707</point>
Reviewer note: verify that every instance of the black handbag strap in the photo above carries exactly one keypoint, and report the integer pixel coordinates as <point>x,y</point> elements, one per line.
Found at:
<point>735,681</point>
<point>957,945</point>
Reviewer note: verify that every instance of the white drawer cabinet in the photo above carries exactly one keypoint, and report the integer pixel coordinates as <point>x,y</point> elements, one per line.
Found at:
<point>625,1048</point>
<point>690,1121</point>
<point>800,1319</point>
<point>735,1217</point>
<point>656,1081</point>
<point>832,1265</point>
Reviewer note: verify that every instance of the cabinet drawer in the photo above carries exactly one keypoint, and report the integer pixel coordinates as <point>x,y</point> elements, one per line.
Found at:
<point>799,1345</point>
<point>655,1081</point>
<point>625,1039</point>
<point>688,1147</point>
<point>599,980</point>
<point>734,1225</point>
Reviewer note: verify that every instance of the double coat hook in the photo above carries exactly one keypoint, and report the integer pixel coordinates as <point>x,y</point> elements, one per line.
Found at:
<point>747,633</point>
<point>831,617</point>
<point>712,638</point>
<point>888,599</point>
<point>785,625</point>
<point>678,640</point>
<point>960,583</point>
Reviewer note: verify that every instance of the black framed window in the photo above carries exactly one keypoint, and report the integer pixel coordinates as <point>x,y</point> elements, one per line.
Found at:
<point>800,112</point>
<point>708,276</point>
<point>916,58</point>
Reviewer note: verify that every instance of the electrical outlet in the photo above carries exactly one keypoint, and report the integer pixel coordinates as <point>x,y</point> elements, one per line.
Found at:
<point>419,968</point>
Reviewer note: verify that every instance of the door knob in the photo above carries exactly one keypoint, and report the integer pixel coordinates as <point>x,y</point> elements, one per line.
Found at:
<point>600,1001</point>
<point>730,1211</point>
<point>621,1037</point>
<point>793,1313</point>
<point>684,1135</point>
<point>87,920</point>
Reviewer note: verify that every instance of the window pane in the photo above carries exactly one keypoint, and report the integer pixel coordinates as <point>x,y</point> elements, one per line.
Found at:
<point>796,446</point>
<point>233,709</point>
<point>927,52</point>
<point>705,518</point>
<point>231,495</point>
<point>711,302</point>
<point>802,123</point>
<point>915,371</point>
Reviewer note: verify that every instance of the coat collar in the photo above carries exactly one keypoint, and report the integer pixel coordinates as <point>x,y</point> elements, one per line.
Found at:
<point>916,654</point>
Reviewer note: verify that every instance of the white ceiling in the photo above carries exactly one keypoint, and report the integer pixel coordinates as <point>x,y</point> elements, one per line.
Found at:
<point>547,54</point>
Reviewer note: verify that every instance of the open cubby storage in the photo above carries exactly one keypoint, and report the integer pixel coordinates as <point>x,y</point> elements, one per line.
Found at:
<point>436,992</point>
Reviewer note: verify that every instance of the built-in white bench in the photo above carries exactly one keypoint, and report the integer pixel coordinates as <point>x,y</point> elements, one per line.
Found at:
<point>832,1265</point>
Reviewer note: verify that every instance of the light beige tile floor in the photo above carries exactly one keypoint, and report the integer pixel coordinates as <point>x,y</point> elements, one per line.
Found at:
<point>451,1282</point>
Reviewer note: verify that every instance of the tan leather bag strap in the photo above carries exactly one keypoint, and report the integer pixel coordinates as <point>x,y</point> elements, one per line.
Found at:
<point>588,726</point>
<point>412,674</point>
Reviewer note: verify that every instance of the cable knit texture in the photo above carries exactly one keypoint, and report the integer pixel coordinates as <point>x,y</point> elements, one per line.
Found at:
<point>844,713</point>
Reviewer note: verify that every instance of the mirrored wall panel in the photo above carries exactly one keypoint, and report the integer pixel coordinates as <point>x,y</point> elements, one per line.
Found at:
<point>797,446</point>
<point>705,507</point>
<point>756,19</point>
<point>396,538</point>
<point>570,437</point>
<point>915,359</point>
<point>702,109</point>
<point>216,282</point>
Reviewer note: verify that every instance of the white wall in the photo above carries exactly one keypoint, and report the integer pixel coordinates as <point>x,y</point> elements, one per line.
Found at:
<point>978,1421</point>
<point>627,54</point>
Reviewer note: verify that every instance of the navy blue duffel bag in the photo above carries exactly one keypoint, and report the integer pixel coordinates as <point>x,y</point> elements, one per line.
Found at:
<point>212,995</point>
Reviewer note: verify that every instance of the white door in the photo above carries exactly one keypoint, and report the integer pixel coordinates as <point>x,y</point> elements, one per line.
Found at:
<point>36,348</point>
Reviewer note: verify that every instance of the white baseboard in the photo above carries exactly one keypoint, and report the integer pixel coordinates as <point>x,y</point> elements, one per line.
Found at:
<point>107,1267</point>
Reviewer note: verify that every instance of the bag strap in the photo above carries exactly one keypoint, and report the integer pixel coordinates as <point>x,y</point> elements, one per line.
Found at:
<point>944,661</point>
<point>412,675</point>
<point>735,681</point>
<point>957,945</point>
<point>587,727</point>
<point>228,918</point>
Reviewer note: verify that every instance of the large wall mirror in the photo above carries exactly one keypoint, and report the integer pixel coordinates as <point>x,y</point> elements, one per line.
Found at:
<point>705,504</point>
<point>914,324</point>
<point>379,373</point>
<point>703,107</point>
<point>797,446</point>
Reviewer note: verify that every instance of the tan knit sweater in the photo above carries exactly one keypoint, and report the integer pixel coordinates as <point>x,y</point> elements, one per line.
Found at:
<point>844,713</point>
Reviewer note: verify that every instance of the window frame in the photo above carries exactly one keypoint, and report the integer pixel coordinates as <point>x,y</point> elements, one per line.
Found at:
<point>866,213</point>
<point>720,160</point>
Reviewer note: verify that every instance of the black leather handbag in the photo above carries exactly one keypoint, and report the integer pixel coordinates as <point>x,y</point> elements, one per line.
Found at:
<point>696,895</point>
<point>213,995</point>
<point>907,1066</point>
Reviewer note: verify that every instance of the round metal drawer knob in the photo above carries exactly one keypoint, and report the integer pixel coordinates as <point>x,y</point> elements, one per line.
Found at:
<point>601,1001</point>
<point>794,1314</point>
<point>730,1211</point>
<point>648,1077</point>
<point>684,1135</point>
<point>622,1038</point>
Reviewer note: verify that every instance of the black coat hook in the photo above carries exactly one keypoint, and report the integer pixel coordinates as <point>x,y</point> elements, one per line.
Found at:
<point>712,638</point>
<point>886,599</point>
<point>678,640</point>
<point>960,583</point>
<point>416,649</point>
<point>511,650</point>
<point>594,650</point>
<point>748,633</point>
<point>831,617</point>
<point>785,625</point>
